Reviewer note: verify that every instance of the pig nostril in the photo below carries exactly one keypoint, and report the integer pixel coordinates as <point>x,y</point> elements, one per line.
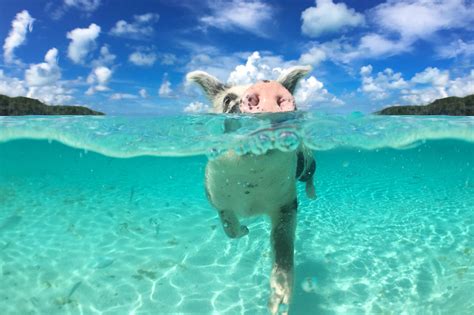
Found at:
<point>253,100</point>
<point>280,100</point>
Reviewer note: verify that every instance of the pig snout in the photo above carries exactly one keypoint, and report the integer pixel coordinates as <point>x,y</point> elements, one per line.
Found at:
<point>267,97</point>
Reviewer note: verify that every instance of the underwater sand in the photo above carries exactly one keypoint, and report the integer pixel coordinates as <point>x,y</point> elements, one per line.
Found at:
<point>391,232</point>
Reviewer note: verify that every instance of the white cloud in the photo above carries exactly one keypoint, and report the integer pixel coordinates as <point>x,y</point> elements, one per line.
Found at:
<point>329,17</point>
<point>432,76</point>
<point>45,73</point>
<point>82,42</point>
<point>435,86</point>
<point>380,86</point>
<point>311,92</point>
<point>413,19</point>
<point>423,88</point>
<point>142,59</point>
<point>11,86</point>
<point>165,88</point>
<point>196,107</point>
<point>98,79</point>
<point>219,65</point>
<point>123,96</point>
<point>397,26</point>
<point>462,86</point>
<point>375,45</point>
<point>255,69</point>
<point>345,51</point>
<point>54,94</point>
<point>168,59</point>
<point>106,58</point>
<point>42,82</point>
<point>314,56</point>
<point>456,48</point>
<point>21,25</point>
<point>143,93</point>
<point>84,5</point>
<point>140,28</point>
<point>252,16</point>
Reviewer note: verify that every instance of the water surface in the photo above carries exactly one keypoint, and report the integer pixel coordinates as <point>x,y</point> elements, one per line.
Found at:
<point>108,215</point>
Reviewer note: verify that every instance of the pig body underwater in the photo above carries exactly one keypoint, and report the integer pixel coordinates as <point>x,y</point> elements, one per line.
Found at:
<point>248,185</point>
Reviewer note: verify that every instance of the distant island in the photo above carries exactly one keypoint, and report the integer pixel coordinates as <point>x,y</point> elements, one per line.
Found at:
<point>20,106</point>
<point>452,106</point>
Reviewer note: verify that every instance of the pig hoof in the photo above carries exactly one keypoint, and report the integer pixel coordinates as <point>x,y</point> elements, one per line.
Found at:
<point>243,231</point>
<point>310,191</point>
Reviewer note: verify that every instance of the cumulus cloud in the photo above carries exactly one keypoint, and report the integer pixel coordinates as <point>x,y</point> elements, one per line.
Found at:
<point>252,16</point>
<point>314,56</point>
<point>42,81</point>
<point>82,42</point>
<point>423,88</point>
<point>375,45</point>
<point>196,107</point>
<point>143,93</point>
<point>379,87</point>
<point>165,88</point>
<point>142,58</point>
<point>217,64</point>
<point>253,70</point>
<point>140,28</point>
<point>11,86</point>
<point>397,26</point>
<point>311,92</point>
<point>55,94</point>
<point>52,94</point>
<point>414,19</point>
<point>45,73</point>
<point>106,58</point>
<point>432,76</point>
<point>345,50</point>
<point>84,5</point>
<point>434,88</point>
<point>98,79</point>
<point>329,17</point>
<point>462,86</point>
<point>21,25</point>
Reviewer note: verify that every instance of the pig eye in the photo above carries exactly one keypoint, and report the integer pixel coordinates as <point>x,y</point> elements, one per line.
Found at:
<point>228,99</point>
<point>253,100</point>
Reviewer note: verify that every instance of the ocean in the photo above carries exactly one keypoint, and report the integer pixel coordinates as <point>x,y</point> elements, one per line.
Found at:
<point>108,215</point>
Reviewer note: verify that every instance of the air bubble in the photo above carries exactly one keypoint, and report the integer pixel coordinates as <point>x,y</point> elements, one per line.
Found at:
<point>287,141</point>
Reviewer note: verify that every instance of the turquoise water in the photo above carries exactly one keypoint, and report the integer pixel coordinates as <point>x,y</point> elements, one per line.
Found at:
<point>107,215</point>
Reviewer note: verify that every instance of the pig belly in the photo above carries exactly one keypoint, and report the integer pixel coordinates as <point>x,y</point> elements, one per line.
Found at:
<point>252,184</point>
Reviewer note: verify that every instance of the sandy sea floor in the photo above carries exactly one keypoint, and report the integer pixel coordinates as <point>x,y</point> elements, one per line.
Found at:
<point>392,232</point>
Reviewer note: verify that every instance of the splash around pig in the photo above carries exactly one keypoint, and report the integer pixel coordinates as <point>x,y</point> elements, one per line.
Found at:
<point>240,186</point>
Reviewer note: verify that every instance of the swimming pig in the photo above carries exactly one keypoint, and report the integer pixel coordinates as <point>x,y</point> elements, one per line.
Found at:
<point>248,185</point>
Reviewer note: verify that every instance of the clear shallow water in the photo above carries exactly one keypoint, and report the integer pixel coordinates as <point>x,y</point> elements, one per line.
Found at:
<point>84,231</point>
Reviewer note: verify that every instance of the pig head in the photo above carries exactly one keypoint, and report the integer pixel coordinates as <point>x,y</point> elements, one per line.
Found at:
<point>262,97</point>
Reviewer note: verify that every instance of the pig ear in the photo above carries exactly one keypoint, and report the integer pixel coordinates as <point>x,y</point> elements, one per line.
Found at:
<point>290,77</point>
<point>210,84</point>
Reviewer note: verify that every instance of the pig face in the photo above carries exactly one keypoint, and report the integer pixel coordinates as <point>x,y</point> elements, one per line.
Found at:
<point>267,97</point>
<point>262,97</point>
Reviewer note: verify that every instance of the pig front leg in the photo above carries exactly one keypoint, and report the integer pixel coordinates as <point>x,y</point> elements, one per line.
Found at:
<point>231,224</point>
<point>282,238</point>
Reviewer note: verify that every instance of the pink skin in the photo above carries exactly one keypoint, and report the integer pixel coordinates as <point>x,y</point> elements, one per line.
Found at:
<point>267,97</point>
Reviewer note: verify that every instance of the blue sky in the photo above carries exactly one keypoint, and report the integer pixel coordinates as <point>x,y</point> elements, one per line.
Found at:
<point>131,57</point>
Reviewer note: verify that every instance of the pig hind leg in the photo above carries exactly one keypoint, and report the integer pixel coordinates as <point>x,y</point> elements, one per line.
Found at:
<point>282,238</point>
